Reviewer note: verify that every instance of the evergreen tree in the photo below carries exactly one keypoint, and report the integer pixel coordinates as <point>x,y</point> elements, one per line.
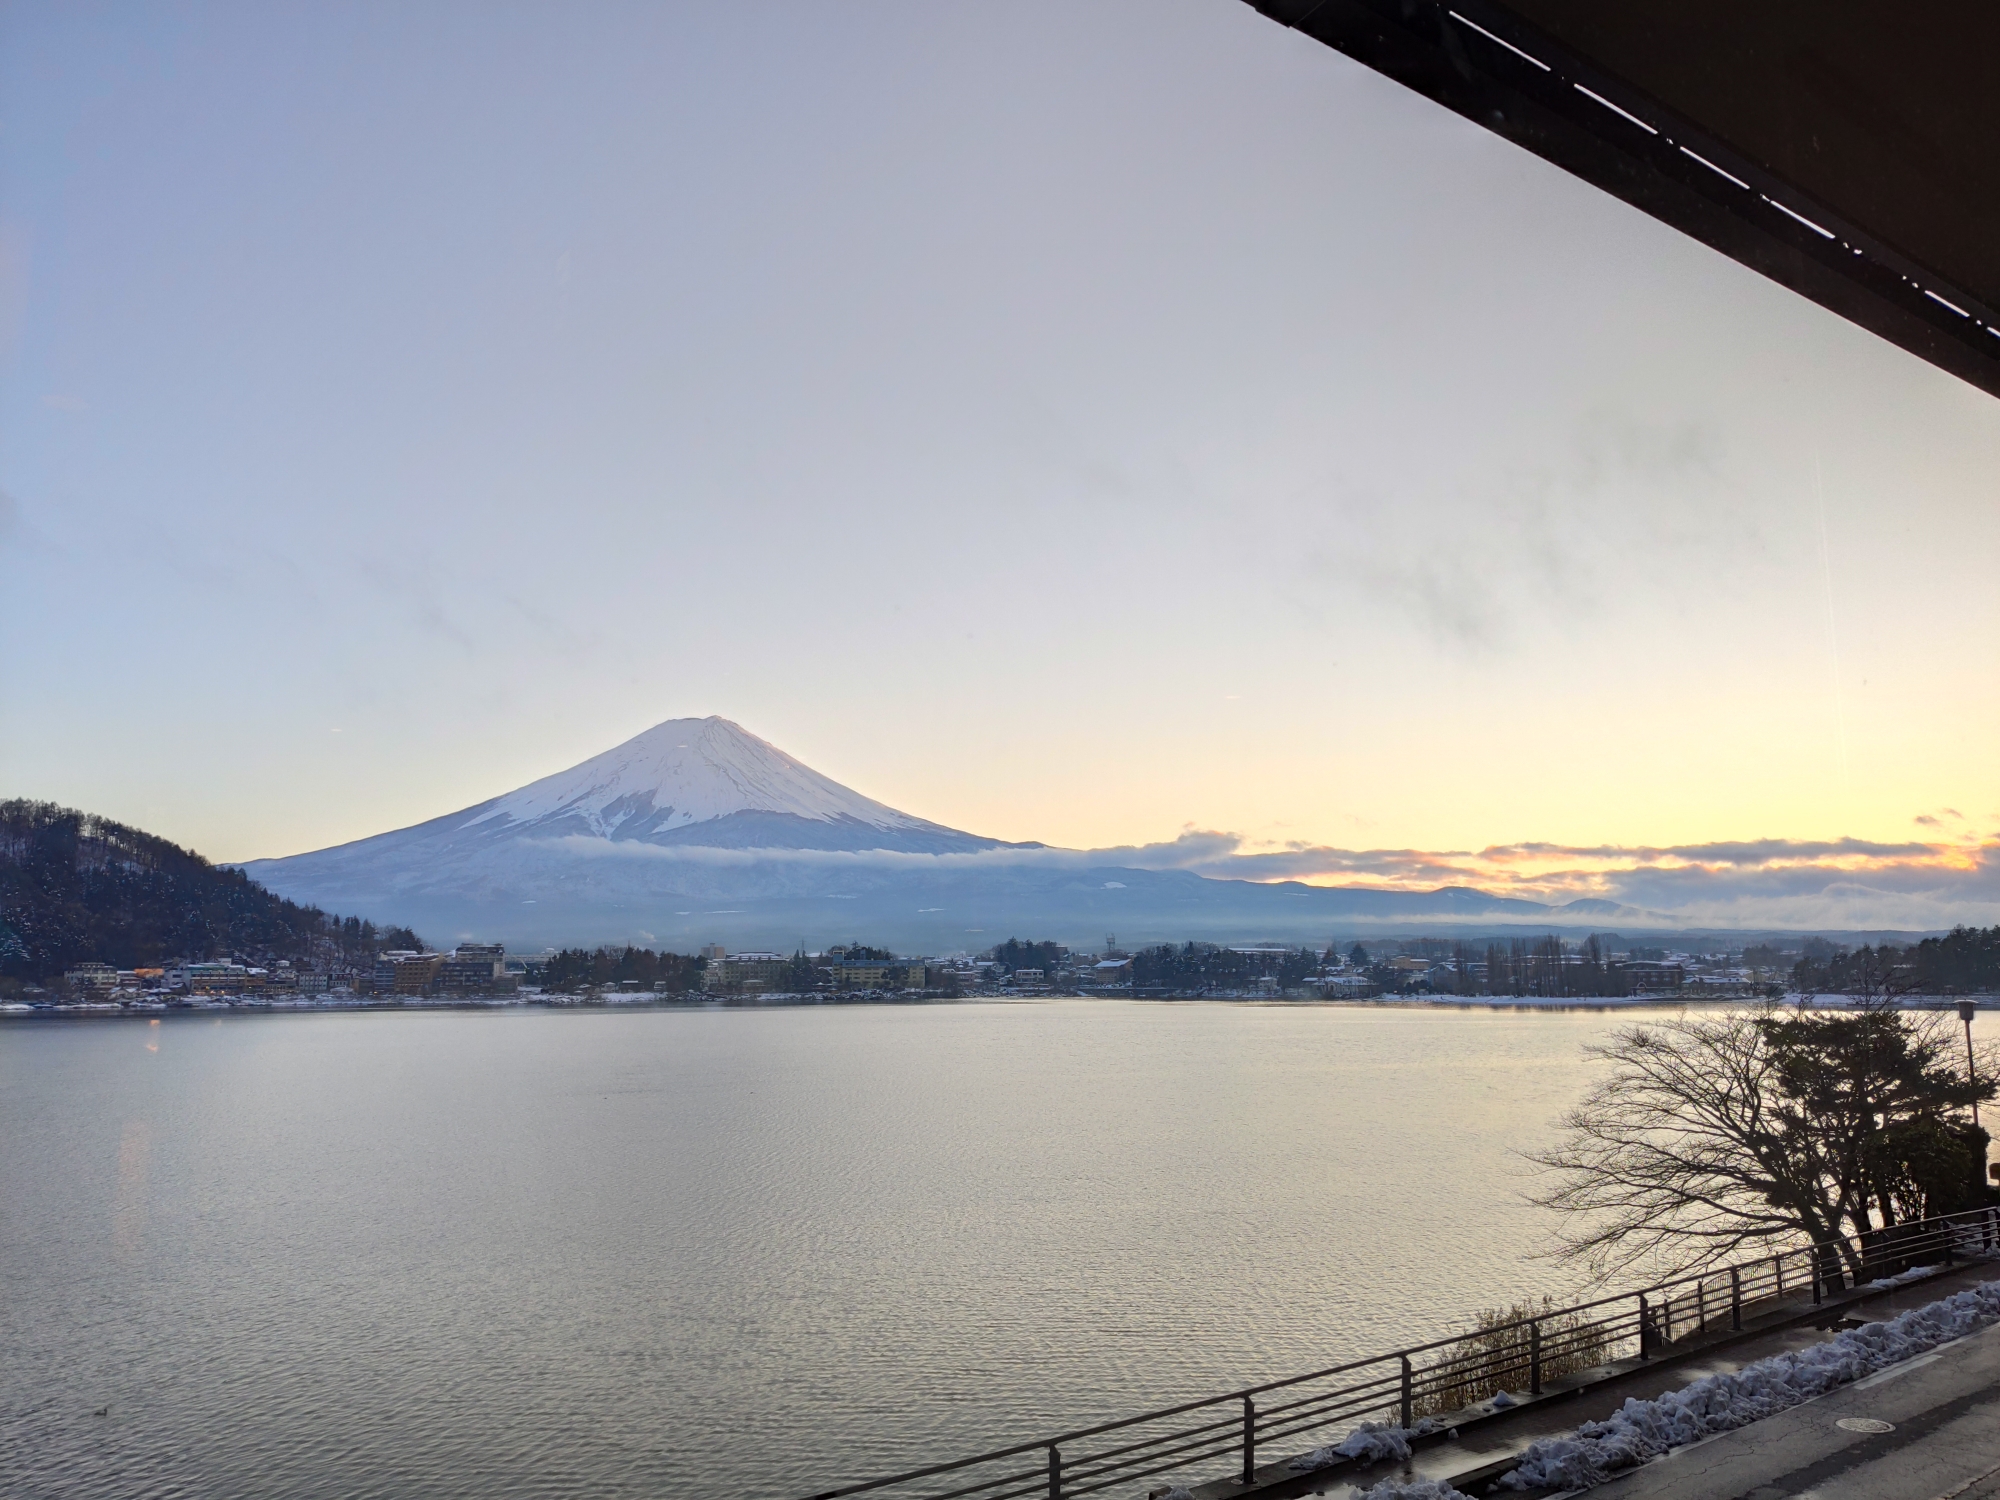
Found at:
<point>800,975</point>
<point>81,889</point>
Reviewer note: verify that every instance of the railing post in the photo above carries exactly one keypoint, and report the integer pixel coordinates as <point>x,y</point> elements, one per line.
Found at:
<point>1055,1472</point>
<point>1735,1300</point>
<point>1250,1440</point>
<point>1700,1308</point>
<point>1818,1295</point>
<point>1407,1403</point>
<point>1778,1271</point>
<point>1645,1326</point>
<point>1535,1358</point>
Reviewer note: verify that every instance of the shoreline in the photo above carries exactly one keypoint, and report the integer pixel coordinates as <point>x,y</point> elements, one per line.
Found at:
<point>652,1000</point>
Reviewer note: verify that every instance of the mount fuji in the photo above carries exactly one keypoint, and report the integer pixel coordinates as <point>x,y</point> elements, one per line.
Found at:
<point>695,782</point>
<point>698,831</point>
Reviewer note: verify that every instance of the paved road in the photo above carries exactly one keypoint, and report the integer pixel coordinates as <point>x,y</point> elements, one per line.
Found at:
<point>1942,1412</point>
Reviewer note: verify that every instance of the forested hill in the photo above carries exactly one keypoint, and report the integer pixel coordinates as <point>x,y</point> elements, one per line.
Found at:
<point>76,888</point>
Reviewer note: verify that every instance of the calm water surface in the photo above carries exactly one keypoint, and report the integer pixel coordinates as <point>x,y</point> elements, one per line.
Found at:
<point>723,1253</point>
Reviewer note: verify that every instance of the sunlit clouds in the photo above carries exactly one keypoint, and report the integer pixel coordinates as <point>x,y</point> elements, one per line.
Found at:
<point>1843,883</point>
<point>1840,884</point>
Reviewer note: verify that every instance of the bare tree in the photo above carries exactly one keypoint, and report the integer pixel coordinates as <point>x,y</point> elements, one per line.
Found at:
<point>1677,1158</point>
<point>1715,1134</point>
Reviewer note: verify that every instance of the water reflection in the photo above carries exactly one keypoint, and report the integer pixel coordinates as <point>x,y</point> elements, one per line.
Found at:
<point>128,1215</point>
<point>443,1255</point>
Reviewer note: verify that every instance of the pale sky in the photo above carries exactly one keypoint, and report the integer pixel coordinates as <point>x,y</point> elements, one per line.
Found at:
<point>1080,422</point>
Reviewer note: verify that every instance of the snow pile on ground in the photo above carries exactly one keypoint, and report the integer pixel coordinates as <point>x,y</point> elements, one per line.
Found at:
<point>1369,1443</point>
<point>1411,1489</point>
<point>1642,1430</point>
<point>1915,1273</point>
<point>1372,1442</point>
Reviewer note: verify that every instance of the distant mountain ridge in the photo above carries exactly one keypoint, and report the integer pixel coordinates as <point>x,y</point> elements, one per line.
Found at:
<point>698,831</point>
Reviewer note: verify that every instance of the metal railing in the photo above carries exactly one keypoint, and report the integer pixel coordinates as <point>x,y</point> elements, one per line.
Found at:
<point>1446,1374</point>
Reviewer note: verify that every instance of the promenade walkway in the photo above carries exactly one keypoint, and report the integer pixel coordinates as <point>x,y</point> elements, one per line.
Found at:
<point>1927,1429</point>
<point>1485,1449</point>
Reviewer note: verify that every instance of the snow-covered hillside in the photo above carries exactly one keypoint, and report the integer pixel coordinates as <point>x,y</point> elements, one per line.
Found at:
<point>658,785</point>
<point>698,831</point>
<point>693,809</point>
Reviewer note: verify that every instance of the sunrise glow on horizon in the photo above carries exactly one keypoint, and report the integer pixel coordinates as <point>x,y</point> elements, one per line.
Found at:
<point>1044,428</point>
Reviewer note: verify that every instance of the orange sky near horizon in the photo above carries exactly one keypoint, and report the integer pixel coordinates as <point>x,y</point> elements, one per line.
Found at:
<point>1075,424</point>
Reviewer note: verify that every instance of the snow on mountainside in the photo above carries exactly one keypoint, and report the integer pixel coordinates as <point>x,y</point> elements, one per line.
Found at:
<point>692,787</point>
<point>680,773</point>
<point>698,831</point>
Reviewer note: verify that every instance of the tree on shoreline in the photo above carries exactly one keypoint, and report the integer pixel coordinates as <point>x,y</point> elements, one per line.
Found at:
<point>575,969</point>
<point>800,974</point>
<point>1963,961</point>
<point>1015,954</point>
<point>1713,1135</point>
<point>1206,968</point>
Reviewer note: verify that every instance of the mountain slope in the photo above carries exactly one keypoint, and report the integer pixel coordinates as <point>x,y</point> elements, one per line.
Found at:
<point>679,780</point>
<point>76,889</point>
<point>697,831</point>
<point>696,782</point>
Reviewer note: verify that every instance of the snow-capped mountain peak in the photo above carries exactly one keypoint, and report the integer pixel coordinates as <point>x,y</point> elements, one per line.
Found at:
<point>698,831</point>
<point>680,773</point>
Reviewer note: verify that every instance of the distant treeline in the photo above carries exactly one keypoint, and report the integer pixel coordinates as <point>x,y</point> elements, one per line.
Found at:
<point>81,889</point>
<point>1194,968</point>
<point>1965,960</point>
<point>1015,954</point>
<point>607,968</point>
<point>1541,967</point>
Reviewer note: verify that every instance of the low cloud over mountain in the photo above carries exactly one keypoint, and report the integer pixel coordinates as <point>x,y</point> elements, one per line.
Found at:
<point>697,830</point>
<point>1850,884</point>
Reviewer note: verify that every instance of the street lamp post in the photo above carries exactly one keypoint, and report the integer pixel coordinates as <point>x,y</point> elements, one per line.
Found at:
<point>1966,1011</point>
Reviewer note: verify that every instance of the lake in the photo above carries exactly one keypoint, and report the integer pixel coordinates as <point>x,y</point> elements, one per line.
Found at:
<point>725,1252</point>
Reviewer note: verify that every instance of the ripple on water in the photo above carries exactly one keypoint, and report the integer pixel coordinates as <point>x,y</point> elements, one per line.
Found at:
<point>585,1253</point>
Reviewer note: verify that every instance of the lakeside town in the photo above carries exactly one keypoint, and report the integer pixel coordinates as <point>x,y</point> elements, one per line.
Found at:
<point>1542,969</point>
